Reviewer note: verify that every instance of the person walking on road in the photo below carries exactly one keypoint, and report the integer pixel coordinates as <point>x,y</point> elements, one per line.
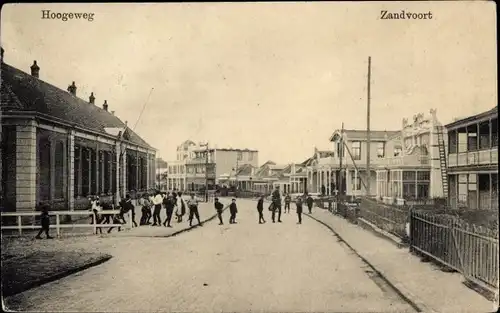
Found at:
<point>233,209</point>
<point>288,199</point>
<point>276,198</point>
<point>157,201</point>
<point>299,209</point>
<point>193,210</point>
<point>45,221</point>
<point>260,208</point>
<point>310,203</point>
<point>169,203</point>
<point>219,207</point>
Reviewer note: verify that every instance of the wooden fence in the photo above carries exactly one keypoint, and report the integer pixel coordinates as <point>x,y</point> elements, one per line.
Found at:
<point>387,217</point>
<point>471,250</point>
<point>21,224</point>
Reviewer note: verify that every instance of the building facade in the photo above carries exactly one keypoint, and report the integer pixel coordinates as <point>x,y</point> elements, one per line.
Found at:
<point>58,149</point>
<point>196,164</point>
<point>473,161</point>
<point>411,167</point>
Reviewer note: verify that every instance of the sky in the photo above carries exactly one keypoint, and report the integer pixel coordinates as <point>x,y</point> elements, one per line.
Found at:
<point>276,77</point>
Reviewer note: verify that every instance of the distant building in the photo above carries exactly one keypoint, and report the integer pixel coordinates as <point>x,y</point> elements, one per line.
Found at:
<point>189,171</point>
<point>161,174</point>
<point>57,148</point>
<point>473,161</point>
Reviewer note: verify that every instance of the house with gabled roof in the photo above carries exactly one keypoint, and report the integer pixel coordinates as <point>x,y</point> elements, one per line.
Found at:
<point>58,148</point>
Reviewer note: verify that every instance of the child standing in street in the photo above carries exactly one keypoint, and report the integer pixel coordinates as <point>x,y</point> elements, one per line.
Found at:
<point>233,210</point>
<point>45,221</point>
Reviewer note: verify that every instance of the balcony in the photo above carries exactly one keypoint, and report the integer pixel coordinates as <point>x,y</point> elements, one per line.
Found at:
<point>473,158</point>
<point>199,161</point>
<point>406,160</point>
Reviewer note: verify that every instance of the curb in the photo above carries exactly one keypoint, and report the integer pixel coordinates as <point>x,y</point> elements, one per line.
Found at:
<point>179,231</point>
<point>381,233</point>
<point>57,276</point>
<point>189,228</point>
<point>406,295</point>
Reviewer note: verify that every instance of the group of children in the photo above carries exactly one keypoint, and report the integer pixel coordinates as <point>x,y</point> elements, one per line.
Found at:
<point>173,202</point>
<point>274,207</point>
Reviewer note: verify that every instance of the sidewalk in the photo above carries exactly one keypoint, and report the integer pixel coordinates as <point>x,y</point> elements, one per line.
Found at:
<point>428,288</point>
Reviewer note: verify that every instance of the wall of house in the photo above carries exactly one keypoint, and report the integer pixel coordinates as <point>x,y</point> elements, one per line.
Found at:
<point>226,161</point>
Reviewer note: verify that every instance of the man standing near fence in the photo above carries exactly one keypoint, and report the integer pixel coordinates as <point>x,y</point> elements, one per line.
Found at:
<point>157,201</point>
<point>45,221</point>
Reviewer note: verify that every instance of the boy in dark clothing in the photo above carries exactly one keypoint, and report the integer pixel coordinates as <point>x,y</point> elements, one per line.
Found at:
<point>169,206</point>
<point>276,204</point>
<point>310,203</point>
<point>299,209</point>
<point>287,203</point>
<point>233,210</point>
<point>126,206</point>
<point>219,207</point>
<point>45,221</point>
<point>260,208</point>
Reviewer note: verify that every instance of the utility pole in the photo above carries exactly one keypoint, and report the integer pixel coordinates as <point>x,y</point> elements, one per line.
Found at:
<point>341,155</point>
<point>368,139</point>
<point>206,173</point>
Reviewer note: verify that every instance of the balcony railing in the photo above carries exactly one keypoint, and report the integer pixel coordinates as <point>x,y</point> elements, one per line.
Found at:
<point>407,160</point>
<point>199,161</point>
<point>471,158</point>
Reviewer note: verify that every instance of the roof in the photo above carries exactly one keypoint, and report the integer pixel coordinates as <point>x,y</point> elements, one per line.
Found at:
<point>244,170</point>
<point>24,92</point>
<point>278,167</point>
<point>354,134</point>
<point>473,118</point>
<point>239,150</point>
<point>185,145</point>
<point>160,163</point>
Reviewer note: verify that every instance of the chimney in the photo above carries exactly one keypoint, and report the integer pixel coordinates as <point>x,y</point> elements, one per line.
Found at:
<point>35,70</point>
<point>72,89</point>
<point>92,98</point>
<point>105,105</point>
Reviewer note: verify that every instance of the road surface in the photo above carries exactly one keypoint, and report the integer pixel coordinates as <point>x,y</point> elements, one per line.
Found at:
<point>270,267</point>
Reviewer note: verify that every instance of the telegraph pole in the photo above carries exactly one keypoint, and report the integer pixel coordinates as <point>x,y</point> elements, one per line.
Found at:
<point>341,155</point>
<point>368,139</point>
<point>206,173</point>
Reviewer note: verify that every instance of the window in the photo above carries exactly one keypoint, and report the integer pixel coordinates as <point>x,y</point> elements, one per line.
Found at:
<point>44,179</point>
<point>452,142</point>
<point>380,149</point>
<point>356,150</point>
<point>423,190</point>
<point>423,176</point>
<point>59,171</point>
<point>240,155</point>
<point>398,151</point>
<point>494,132</point>
<point>250,156</point>
<point>409,176</point>
<point>472,142</point>
<point>356,183</point>
<point>107,172</point>
<point>484,135</point>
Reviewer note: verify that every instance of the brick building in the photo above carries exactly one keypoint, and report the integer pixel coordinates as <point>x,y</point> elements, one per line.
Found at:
<point>58,149</point>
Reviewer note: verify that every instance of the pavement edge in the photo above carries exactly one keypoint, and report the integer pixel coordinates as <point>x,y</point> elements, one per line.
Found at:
<point>189,228</point>
<point>402,291</point>
<point>101,259</point>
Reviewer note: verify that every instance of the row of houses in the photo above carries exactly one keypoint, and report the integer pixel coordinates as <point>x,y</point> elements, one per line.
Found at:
<point>57,148</point>
<point>423,160</point>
